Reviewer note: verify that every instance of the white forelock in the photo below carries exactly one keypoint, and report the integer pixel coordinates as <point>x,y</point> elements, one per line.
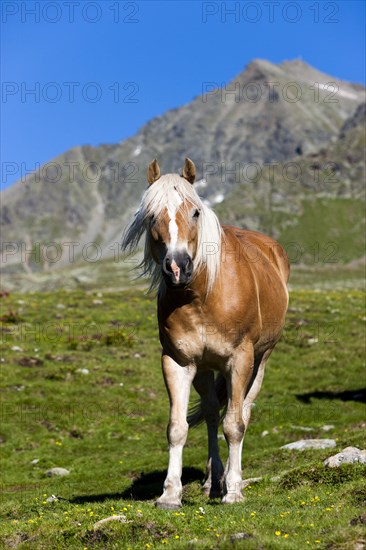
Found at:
<point>169,192</point>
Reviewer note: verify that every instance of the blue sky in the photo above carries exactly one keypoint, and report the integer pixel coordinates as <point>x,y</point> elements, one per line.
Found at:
<point>100,70</point>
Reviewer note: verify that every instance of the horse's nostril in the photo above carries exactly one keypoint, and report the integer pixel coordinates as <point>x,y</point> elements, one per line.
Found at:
<point>188,265</point>
<point>167,266</point>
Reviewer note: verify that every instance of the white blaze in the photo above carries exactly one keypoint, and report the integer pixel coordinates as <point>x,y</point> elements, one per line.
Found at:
<point>173,227</point>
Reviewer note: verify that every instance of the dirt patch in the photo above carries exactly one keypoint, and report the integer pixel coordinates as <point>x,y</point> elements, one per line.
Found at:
<point>30,362</point>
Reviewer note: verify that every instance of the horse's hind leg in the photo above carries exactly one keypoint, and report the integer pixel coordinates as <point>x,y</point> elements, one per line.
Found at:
<point>255,387</point>
<point>178,381</point>
<point>204,383</point>
<point>234,489</point>
<point>241,370</point>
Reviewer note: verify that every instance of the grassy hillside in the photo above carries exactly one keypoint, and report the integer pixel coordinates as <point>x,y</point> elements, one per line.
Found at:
<point>81,388</point>
<point>328,231</point>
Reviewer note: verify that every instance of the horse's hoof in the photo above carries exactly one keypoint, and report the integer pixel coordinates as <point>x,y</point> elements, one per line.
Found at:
<point>164,505</point>
<point>232,498</point>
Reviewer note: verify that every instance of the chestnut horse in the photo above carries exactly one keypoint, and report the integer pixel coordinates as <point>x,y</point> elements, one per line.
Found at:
<point>222,301</point>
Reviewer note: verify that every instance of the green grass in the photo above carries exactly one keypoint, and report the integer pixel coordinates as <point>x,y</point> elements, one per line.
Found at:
<point>108,429</point>
<point>328,232</point>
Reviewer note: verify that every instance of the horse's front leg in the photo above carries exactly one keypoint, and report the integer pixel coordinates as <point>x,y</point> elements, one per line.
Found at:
<point>178,381</point>
<point>238,377</point>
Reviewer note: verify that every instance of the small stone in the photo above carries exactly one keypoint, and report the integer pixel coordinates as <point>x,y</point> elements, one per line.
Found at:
<point>52,498</point>
<point>16,348</point>
<point>35,461</point>
<point>121,518</point>
<point>275,478</point>
<point>305,444</point>
<point>83,371</point>
<point>61,306</point>
<point>240,536</point>
<point>328,427</point>
<point>264,433</point>
<point>312,341</point>
<point>82,279</point>
<point>57,472</point>
<point>97,302</point>
<point>250,481</point>
<point>303,428</point>
<point>349,455</point>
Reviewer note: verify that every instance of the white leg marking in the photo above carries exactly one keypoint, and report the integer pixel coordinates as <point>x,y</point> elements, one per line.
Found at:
<point>178,380</point>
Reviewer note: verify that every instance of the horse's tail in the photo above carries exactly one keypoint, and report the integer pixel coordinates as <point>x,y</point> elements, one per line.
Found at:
<point>196,415</point>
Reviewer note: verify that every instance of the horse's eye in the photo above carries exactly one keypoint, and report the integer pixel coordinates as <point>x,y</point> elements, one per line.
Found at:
<point>196,213</point>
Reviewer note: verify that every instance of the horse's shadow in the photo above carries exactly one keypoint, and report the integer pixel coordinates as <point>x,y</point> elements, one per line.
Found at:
<point>147,486</point>
<point>358,395</point>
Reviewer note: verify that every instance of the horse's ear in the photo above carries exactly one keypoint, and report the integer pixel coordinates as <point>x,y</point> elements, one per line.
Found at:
<point>153,172</point>
<point>189,170</point>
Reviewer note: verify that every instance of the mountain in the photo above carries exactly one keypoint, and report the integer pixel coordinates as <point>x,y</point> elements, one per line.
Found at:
<point>313,204</point>
<point>278,145</point>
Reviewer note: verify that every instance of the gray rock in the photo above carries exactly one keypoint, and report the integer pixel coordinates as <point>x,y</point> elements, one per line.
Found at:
<point>82,279</point>
<point>83,371</point>
<point>250,481</point>
<point>240,536</point>
<point>16,348</point>
<point>328,427</point>
<point>35,461</point>
<point>349,455</point>
<point>121,518</point>
<point>57,472</point>
<point>305,444</point>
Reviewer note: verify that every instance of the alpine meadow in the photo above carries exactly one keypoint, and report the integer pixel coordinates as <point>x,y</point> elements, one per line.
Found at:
<point>84,406</point>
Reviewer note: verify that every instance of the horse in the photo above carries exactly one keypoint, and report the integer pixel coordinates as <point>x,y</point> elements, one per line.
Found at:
<point>221,300</point>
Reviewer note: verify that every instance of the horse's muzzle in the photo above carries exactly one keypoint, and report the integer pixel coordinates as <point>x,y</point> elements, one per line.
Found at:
<point>177,269</point>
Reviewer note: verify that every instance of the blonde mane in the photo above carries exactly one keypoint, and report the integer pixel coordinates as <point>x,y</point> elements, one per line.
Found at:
<point>167,190</point>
